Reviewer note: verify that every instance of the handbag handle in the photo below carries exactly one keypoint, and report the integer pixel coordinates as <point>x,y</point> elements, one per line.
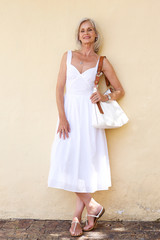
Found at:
<point>99,73</point>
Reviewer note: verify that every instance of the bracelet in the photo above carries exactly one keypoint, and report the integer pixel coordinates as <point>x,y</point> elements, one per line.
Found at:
<point>109,97</point>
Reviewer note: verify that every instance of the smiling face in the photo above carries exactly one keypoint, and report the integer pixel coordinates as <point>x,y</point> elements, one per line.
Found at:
<point>87,33</point>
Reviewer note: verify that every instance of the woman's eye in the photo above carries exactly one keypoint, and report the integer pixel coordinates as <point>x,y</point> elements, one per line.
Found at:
<point>90,29</point>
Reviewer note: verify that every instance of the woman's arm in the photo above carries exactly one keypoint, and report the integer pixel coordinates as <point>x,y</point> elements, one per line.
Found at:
<point>63,128</point>
<point>113,79</point>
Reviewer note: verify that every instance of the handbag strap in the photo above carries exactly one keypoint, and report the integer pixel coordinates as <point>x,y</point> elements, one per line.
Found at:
<point>99,72</point>
<point>96,82</point>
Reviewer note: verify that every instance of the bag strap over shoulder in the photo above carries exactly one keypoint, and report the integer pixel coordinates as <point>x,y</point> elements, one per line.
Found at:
<point>96,82</point>
<point>99,72</point>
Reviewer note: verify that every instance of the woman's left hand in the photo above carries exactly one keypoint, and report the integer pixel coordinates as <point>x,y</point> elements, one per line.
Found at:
<point>97,96</point>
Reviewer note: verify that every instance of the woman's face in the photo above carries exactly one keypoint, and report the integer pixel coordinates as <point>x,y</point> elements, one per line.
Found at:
<point>87,33</point>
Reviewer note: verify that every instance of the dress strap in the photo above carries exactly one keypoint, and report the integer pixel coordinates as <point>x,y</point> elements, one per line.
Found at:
<point>97,63</point>
<point>69,57</point>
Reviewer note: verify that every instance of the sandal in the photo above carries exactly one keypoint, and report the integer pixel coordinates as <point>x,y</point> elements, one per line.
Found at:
<point>96,217</point>
<point>76,222</point>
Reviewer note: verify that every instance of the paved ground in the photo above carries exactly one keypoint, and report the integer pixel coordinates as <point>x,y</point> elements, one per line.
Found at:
<point>58,230</point>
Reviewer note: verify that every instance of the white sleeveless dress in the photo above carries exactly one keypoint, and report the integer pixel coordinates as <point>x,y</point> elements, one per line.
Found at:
<point>80,163</point>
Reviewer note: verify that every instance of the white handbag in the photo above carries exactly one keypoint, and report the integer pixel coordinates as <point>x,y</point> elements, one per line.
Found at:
<point>108,114</point>
<point>113,116</point>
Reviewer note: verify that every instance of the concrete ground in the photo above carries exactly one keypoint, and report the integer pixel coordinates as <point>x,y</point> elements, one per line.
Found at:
<point>20,229</point>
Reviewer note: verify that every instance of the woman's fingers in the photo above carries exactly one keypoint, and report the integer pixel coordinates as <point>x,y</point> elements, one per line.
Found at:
<point>64,130</point>
<point>67,134</point>
<point>95,97</point>
<point>69,129</point>
<point>63,133</point>
<point>59,133</point>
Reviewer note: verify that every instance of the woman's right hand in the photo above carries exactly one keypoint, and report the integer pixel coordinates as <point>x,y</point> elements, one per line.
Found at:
<point>63,128</point>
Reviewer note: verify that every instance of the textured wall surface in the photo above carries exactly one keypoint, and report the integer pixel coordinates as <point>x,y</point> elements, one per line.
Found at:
<point>34,36</point>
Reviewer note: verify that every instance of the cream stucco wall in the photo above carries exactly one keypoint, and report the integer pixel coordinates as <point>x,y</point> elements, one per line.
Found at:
<point>34,35</point>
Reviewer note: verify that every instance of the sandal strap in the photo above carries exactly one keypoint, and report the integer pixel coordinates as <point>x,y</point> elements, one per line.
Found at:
<point>76,222</point>
<point>89,215</point>
<point>96,216</point>
<point>75,225</point>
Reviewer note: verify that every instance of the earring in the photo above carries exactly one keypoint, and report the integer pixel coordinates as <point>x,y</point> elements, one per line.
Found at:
<point>96,38</point>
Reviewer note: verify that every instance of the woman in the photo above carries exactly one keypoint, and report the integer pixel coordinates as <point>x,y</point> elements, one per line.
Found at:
<point>79,157</point>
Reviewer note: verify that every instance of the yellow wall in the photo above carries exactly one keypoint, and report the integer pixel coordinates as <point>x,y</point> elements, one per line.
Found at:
<point>34,35</point>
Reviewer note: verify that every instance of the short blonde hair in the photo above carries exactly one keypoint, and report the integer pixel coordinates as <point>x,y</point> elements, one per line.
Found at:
<point>97,40</point>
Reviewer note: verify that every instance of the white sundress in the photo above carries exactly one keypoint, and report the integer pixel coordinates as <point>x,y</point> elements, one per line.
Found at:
<point>80,163</point>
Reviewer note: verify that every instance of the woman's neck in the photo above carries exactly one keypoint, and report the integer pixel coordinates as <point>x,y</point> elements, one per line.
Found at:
<point>87,50</point>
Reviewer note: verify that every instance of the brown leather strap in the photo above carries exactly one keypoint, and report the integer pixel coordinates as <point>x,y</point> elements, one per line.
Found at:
<point>99,70</point>
<point>100,108</point>
<point>99,73</point>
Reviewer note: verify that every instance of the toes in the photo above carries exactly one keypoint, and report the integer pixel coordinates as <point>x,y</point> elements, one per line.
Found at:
<point>78,234</point>
<point>75,233</point>
<point>87,227</point>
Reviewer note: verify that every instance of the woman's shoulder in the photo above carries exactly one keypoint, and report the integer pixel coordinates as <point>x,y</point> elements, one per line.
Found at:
<point>65,53</point>
<point>106,64</point>
<point>68,51</point>
<point>64,56</point>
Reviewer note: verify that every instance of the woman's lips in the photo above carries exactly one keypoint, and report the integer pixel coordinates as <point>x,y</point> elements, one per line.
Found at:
<point>86,37</point>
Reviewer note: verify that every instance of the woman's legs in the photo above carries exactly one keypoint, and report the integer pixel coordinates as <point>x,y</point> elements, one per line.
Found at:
<point>92,207</point>
<point>77,217</point>
<point>79,208</point>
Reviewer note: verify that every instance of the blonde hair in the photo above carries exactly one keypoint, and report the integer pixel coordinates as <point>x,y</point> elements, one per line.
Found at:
<point>97,39</point>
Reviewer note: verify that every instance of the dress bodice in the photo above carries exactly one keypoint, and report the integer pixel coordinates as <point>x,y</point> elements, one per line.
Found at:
<point>79,83</point>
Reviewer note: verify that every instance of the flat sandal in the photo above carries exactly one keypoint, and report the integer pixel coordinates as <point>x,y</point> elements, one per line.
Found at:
<point>96,217</point>
<point>76,222</point>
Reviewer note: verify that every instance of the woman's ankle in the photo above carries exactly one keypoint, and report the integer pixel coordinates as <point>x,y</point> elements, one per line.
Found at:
<point>76,218</point>
<point>93,207</point>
